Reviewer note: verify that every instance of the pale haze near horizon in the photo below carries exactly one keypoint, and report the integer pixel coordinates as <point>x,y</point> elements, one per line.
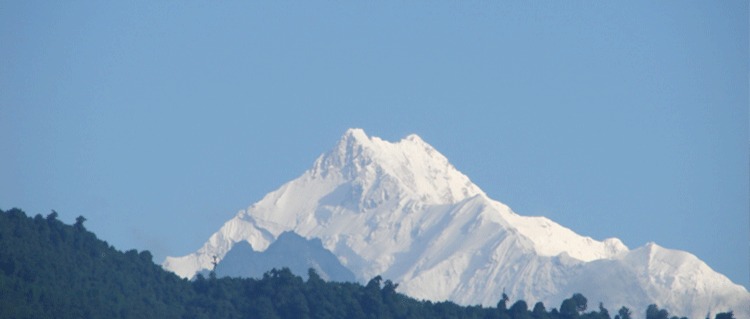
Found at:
<point>159,121</point>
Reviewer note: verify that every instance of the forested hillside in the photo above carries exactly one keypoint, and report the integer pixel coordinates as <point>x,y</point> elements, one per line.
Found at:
<point>52,270</point>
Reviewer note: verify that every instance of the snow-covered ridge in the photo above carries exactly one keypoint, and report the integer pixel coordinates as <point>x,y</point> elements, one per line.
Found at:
<point>413,165</point>
<point>401,210</point>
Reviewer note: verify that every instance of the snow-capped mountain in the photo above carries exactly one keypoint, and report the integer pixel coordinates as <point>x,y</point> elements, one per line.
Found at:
<point>401,210</point>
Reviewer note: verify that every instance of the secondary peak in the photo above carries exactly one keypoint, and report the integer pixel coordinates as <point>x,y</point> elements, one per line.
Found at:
<point>357,134</point>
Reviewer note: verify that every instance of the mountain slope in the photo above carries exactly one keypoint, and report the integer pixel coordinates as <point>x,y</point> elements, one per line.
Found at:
<point>402,210</point>
<point>290,251</point>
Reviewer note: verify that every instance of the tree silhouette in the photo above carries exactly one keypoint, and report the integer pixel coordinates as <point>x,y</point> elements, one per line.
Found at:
<point>624,313</point>
<point>653,312</point>
<point>52,216</point>
<point>581,302</point>
<point>569,309</point>
<point>725,315</point>
<point>503,303</point>
<point>539,312</point>
<point>79,223</point>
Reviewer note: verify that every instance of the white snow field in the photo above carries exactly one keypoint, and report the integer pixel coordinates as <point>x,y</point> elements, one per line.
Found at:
<point>401,210</point>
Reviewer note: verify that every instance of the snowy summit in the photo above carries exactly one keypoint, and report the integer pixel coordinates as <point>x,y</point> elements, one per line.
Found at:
<point>401,210</point>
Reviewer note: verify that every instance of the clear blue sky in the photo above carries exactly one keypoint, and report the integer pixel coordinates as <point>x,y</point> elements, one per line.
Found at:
<point>159,120</point>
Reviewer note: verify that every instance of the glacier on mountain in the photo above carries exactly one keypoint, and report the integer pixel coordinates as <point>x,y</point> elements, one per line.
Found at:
<point>401,210</point>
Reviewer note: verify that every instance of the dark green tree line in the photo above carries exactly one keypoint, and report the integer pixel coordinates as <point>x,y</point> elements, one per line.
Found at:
<point>52,270</point>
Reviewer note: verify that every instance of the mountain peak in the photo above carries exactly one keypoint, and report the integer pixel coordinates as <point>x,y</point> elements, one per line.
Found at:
<point>411,165</point>
<point>414,138</point>
<point>356,135</point>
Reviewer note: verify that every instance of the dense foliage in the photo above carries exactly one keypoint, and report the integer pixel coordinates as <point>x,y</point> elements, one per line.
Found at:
<point>52,270</point>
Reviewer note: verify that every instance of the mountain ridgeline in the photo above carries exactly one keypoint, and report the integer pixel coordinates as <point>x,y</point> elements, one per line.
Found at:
<point>52,270</point>
<point>289,251</point>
